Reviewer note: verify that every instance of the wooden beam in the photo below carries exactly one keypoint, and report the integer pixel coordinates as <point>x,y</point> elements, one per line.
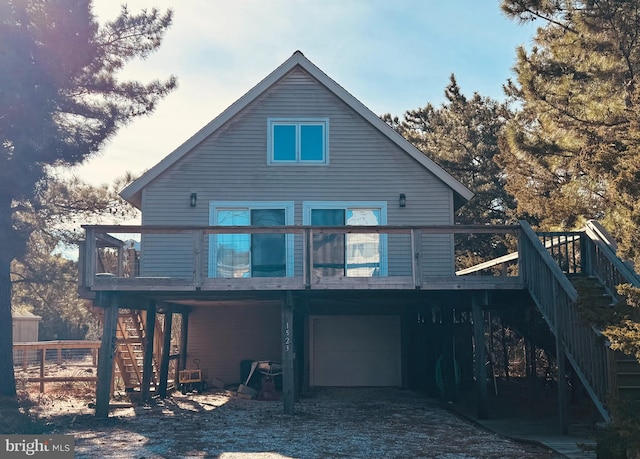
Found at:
<point>184,336</point>
<point>480,359</point>
<point>166,351</point>
<point>288,376</point>
<point>563,408</point>
<point>448,362</point>
<point>147,361</point>
<point>105,358</point>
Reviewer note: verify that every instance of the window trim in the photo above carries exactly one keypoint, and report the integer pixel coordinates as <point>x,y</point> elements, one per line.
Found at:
<point>297,122</point>
<point>287,206</point>
<point>308,206</point>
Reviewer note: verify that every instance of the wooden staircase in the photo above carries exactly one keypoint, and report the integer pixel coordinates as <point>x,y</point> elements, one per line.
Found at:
<point>624,370</point>
<point>548,262</point>
<point>129,353</point>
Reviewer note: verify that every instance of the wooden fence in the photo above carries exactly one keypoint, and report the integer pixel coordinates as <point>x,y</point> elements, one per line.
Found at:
<point>56,361</point>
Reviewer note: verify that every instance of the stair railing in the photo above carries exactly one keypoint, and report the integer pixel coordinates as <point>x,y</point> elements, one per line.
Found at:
<point>603,263</point>
<point>555,296</point>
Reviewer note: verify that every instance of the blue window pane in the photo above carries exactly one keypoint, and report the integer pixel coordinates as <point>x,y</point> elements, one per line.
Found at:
<point>232,250</point>
<point>311,143</point>
<point>268,251</point>
<point>284,142</point>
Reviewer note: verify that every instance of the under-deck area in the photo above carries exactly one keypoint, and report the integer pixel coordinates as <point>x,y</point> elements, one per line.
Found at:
<point>348,306</point>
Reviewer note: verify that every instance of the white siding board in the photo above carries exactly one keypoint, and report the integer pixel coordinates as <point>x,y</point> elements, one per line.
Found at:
<point>363,165</point>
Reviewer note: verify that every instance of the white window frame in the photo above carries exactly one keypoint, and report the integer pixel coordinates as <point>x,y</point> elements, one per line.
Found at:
<point>287,206</point>
<point>308,206</point>
<point>297,122</point>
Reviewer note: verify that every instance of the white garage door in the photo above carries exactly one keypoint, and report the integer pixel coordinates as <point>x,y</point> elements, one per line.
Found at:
<point>355,351</point>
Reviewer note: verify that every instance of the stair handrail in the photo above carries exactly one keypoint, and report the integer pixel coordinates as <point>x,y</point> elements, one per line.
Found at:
<point>607,245</point>
<point>554,295</point>
<point>548,260</point>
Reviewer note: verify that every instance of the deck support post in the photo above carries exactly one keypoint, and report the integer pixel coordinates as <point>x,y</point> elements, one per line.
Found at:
<point>147,362</point>
<point>105,356</point>
<point>563,412</point>
<point>288,354</point>
<point>448,357</point>
<point>184,334</point>
<point>304,348</point>
<point>166,351</point>
<point>480,359</point>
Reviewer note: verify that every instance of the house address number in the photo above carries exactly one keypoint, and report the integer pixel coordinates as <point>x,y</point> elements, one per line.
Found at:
<point>287,337</point>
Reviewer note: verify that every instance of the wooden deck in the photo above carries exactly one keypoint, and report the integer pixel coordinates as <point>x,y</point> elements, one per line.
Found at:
<point>106,264</point>
<point>405,262</point>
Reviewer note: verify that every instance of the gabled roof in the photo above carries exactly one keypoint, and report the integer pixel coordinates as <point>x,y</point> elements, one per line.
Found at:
<point>133,193</point>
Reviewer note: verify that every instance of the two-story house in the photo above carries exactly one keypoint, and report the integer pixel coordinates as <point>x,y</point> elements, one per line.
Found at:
<point>297,227</point>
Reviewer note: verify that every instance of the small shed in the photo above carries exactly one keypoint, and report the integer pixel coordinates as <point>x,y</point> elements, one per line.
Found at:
<point>25,326</point>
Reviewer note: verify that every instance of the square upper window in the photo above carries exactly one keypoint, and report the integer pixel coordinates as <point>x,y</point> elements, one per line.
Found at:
<point>296,141</point>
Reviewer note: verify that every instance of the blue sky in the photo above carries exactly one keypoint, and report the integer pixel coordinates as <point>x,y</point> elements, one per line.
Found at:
<point>392,55</point>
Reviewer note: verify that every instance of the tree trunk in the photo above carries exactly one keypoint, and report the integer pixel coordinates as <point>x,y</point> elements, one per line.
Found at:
<point>7,378</point>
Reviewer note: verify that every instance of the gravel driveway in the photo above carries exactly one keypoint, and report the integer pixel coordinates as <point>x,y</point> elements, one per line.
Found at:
<point>329,423</point>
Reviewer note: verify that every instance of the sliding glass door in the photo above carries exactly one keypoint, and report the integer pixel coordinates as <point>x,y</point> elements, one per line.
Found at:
<point>351,255</point>
<point>250,255</point>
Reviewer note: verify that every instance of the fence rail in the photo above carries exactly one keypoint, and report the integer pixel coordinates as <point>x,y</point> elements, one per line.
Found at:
<point>60,361</point>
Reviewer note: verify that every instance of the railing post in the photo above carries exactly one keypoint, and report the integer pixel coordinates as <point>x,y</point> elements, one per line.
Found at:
<point>522,256</point>
<point>308,261</point>
<point>416,260</point>
<point>586,256</point>
<point>43,357</point>
<point>198,237</point>
<point>89,257</point>
<point>120,261</point>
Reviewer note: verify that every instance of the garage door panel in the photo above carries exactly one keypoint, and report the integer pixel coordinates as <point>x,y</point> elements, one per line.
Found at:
<point>355,351</point>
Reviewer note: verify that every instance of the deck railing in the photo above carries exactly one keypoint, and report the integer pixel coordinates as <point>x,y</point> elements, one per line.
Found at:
<point>306,257</point>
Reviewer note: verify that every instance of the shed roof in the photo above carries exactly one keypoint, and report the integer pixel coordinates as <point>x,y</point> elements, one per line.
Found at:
<point>23,315</point>
<point>133,192</point>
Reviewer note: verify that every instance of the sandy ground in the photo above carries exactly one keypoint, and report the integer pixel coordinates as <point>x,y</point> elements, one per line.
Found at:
<point>330,423</point>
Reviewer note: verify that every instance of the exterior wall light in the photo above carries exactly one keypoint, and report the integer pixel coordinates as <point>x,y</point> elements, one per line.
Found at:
<point>194,199</point>
<point>403,200</point>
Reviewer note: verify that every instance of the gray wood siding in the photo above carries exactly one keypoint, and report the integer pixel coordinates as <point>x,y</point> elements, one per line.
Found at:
<point>222,336</point>
<point>364,165</point>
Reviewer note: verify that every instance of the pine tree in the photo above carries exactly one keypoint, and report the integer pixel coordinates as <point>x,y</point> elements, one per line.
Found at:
<point>60,100</point>
<point>463,136</point>
<point>574,148</point>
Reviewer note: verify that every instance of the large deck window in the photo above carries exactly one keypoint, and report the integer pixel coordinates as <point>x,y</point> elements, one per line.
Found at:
<point>250,255</point>
<point>350,255</point>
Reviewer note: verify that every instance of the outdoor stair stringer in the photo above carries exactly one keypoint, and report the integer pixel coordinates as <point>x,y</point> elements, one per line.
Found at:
<point>624,370</point>
<point>555,297</point>
<point>129,355</point>
<point>544,266</point>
